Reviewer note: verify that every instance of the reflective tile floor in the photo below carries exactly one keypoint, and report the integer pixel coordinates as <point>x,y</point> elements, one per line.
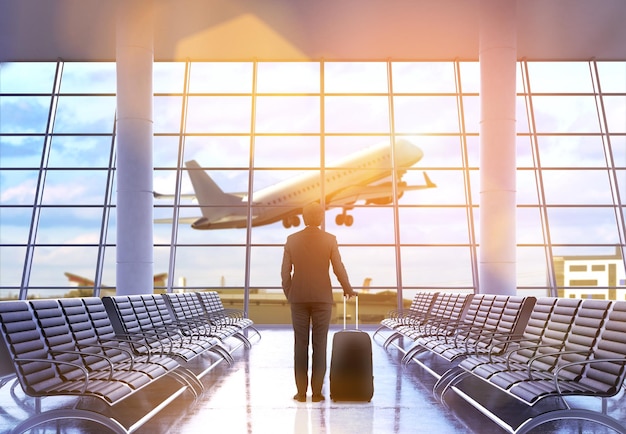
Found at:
<point>255,395</point>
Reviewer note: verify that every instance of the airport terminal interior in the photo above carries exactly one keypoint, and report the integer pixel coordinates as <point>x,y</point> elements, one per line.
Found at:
<point>465,147</point>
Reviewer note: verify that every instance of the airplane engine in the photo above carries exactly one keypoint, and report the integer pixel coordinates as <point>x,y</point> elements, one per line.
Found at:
<point>380,201</point>
<point>386,200</point>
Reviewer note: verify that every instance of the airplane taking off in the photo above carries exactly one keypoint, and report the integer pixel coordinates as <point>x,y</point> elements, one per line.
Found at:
<point>352,179</point>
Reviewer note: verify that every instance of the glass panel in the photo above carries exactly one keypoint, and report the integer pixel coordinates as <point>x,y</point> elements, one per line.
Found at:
<point>207,267</point>
<point>559,77</point>
<point>590,272</point>
<point>15,225</point>
<point>161,266</point>
<point>436,266</point>
<point>219,114</point>
<point>168,77</point>
<point>69,225</point>
<point>278,187</point>
<point>618,148</point>
<point>265,267</point>
<point>357,114</point>
<point>20,151</point>
<point>109,269</point>
<point>615,108</point>
<point>27,77</point>
<point>577,187</point>
<point>283,151</point>
<point>165,151</point>
<point>18,187</point>
<point>74,187</point>
<point>189,236</point>
<point>270,234</point>
<point>444,151</point>
<point>583,226</point>
<point>288,77</point>
<point>373,224</point>
<point>526,183</point>
<point>355,77</point>
<point>612,76</point>
<point>425,114</point>
<point>83,151</point>
<point>471,111</point>
<point>11,268</point>
<point>25,114</point>
<point>50,264</point>
<point>529,226</point>
<point>532,271</point>
<point>423,77</point>
<point>375,264</point>
<point>470,76</point>
<point>218,151</point>
<point>449,188</point>
<point>224,77</point>
<point>167,114</point>
<point>524,151</point>
<point>89,77</point>
<point>433,226</point>
<point>571,151</point>
<point>566,114</point>
<point>293,114</point>
<point>473,151</point>
<point>339,148</point>
<point>85,114</point>
<point>522,124</point>
<point>111,232</point>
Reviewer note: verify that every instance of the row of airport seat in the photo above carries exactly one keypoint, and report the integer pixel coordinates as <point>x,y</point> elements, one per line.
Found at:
<point>136,352</point>
<point>516,359</point>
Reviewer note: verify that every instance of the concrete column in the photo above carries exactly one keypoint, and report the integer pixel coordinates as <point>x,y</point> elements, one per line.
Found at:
<point>134,60</point>
<point>497,56</point>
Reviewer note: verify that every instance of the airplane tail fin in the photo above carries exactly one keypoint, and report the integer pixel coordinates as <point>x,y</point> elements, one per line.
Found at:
<point>211,198</point>
<point>429,183</point>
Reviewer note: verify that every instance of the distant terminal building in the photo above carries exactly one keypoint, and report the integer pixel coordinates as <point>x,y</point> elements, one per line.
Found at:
<point>601,276</point>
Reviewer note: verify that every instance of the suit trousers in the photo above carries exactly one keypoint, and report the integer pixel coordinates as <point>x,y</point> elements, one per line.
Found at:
<point>313,318</point>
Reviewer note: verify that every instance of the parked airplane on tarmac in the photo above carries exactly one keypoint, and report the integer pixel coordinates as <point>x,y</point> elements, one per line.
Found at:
<point>357,177</point>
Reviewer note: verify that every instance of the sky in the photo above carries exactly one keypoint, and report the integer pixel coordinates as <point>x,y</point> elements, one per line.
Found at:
<point>433,223</point>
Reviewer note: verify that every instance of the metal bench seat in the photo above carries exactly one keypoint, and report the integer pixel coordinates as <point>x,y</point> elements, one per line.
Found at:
<point>581,352</point>
<point>446,313</point>
<point>417,312</point>
<point>489,322</point>
<point>131,319</point>
<point>187,308</point>
<point>48,361</point>
<point>215,310</point>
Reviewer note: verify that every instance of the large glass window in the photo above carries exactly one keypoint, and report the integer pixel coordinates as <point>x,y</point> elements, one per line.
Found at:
<point>272,136</point>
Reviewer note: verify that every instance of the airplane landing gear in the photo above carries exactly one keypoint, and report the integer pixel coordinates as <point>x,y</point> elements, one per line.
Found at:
<point>290,221</point>
<point>344,219</point>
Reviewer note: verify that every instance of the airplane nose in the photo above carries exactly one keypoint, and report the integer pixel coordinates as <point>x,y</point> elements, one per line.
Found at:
<point>409,151</point>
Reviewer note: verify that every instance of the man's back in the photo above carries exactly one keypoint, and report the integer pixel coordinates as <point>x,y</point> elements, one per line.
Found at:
<point>310,252</point>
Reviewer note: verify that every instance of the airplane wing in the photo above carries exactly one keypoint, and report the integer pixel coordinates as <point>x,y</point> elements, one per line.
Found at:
<point>378,194</point>
<point>188,196</point>
<point>158,195</point>
<point>186,220</point>
<point>227,222</point>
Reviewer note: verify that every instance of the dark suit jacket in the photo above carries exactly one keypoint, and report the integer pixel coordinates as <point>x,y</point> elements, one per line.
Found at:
<point>308,253</point>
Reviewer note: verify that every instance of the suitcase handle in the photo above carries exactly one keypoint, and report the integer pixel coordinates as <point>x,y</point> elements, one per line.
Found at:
<point>356,320</point>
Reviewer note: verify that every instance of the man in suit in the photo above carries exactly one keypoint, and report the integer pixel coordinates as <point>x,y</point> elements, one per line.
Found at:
<point>306,284</point>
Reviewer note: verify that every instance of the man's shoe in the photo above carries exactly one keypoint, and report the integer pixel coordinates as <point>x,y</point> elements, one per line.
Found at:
<point>318,397</point>
<point>299,397</point>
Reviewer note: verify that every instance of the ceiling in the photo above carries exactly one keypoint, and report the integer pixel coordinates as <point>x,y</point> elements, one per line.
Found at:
<point>84,30</point>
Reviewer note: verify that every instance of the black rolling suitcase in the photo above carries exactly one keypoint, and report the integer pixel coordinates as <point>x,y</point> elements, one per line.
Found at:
<point>351,373</point>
